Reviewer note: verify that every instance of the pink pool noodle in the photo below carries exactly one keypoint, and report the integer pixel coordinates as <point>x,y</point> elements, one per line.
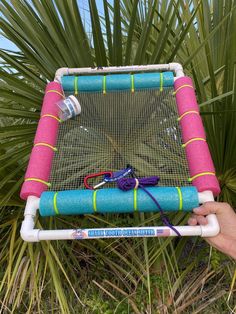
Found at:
<point>194,151</point>
<point>39,167</point>
<point>41,157</point>
<point>47,131</point>
<point>51,98</point>
<point>185,97</point>
<point>192,126</point>
<point>197,152</point>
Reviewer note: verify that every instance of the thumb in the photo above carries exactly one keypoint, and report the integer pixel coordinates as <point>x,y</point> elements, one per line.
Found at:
<point>213,208</point>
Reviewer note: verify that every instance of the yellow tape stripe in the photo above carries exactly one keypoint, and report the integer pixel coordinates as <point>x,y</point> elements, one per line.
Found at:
<point>193,140</point>
<point>186,113</point>
<point>51,116</point>
<point>104,83</point>
<point>202,174</point>
<point>95,201</point>
<point>161,82</point>
<point>135,200</point>
<point>132,83</point>
<point>180,198</point>
<point>56,92</point>
<point>55,204</point>
<point>183,86</point>
<point>38,180</point>
<point>76,85</point>
<point>47,145</point>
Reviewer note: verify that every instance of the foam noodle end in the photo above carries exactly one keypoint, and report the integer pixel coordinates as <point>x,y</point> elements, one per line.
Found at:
<point>185,95</point>
<point>207,183</point>
<point>53,94</point>
<point>32,188</point>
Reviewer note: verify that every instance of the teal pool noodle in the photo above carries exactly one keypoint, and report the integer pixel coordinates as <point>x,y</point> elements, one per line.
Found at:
<point>114,200</point>
<point>113,82</point>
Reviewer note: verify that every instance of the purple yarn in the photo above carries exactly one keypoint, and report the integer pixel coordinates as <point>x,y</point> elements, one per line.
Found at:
<point>126,184</point>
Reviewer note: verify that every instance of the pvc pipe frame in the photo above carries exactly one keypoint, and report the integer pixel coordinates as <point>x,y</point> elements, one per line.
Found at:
<point>29,234</point>
<point>174,67</point>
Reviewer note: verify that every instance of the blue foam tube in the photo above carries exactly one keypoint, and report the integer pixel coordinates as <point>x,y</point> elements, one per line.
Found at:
<point>114,200</point>
<point>96,83</point>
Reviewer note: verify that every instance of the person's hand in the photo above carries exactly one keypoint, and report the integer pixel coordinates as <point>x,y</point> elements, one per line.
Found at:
<point>225,241</point>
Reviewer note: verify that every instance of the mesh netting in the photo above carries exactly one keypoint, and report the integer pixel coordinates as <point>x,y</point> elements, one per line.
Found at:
<point>120,128</point>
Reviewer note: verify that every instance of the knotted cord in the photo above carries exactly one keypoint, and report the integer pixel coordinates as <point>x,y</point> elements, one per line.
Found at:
<point>126,184</point>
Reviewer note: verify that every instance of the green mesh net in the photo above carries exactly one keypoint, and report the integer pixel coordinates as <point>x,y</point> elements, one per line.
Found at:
<point>120,128</point>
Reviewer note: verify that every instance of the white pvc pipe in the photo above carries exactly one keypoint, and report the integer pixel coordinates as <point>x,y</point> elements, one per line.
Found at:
<point>29,234</point>
<point>205,196</point>
<point>137,232</point>
<point>175,67</point>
